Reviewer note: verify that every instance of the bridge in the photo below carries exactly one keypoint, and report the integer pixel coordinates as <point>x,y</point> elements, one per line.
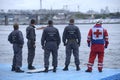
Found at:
<point>24,16</point>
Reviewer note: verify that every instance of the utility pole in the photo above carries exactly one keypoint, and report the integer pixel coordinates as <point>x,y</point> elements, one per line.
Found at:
<point>78,7</point>
<point>39,16</point>
<point>6,19</point>
<point>40,4</point>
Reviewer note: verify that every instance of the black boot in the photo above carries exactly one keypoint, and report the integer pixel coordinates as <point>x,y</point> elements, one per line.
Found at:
<point>77,68</point>
<point>18,70</point>
<point>31,67</point>
<point>88,71</point>
<point>65,68</point>
<point>54,69</point>
<point>13,68</point>
<point>46,69</point>
<point>100,70</point>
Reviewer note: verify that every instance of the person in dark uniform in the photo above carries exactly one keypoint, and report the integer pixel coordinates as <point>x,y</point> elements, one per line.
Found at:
<point>31,37</point>
<point>71,39</point>
<point>50,42</point>
<point>16,38</point>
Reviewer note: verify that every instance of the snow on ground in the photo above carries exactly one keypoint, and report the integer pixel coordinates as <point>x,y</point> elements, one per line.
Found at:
<point>72,74</point>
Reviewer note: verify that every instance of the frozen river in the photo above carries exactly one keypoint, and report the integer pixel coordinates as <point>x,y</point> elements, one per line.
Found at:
<point>112,53</point>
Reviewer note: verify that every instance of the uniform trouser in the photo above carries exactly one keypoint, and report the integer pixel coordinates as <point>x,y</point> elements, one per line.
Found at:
<point>31,53</point>
<point>92,58</point>
<point>17,58</point>
<point>54,57</point>
<point>72,47</point>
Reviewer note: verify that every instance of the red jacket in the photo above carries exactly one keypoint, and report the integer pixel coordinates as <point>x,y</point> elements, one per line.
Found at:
<point>97,38</point>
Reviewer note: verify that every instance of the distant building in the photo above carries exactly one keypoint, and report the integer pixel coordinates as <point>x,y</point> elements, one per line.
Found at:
<point>92,12</point>
<point>105,11</point>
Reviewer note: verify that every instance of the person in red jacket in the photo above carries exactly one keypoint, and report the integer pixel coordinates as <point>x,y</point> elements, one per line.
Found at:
<point>97,39</point>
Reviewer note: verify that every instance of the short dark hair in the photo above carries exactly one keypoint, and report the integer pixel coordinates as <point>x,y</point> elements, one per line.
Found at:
<point>50,22</point>
<point>32,21</point>
<point>15,26</point>
<point>71,21</point>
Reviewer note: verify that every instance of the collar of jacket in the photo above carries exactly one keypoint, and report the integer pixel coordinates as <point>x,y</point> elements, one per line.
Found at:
<point>32,25</point>
<point>50,26</point>
<point>97,25</point>
<point>71,24</point>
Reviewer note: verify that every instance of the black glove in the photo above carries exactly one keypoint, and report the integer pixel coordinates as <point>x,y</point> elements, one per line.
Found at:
<point>106,44</point>
<point>78,44</point>
<point>65,44</point>
<point>88,44</point>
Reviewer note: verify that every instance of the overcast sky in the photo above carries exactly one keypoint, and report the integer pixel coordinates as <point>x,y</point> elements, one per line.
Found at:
<point>73,5</point>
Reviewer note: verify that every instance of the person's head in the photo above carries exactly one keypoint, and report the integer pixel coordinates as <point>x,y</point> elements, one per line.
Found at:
<point>71,21</point>
<point>50,22</point>
<point>16,26</point>
<point>32,21</point>
<point>99,21</point>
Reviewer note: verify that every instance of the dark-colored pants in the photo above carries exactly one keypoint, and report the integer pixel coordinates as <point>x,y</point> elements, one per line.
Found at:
<point>51,47</point>
<point>17,59</point>
<point>72,47</point>
<point>31,53</point>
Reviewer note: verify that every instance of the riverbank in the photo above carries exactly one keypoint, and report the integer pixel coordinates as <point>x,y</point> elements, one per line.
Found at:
<point>64,22</point>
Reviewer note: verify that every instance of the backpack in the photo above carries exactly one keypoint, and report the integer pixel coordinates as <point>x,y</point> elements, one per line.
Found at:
<point>10,38</point>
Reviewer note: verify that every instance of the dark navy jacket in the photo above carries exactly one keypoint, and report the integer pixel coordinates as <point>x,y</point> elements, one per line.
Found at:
<point>50,33</point>
<point>16,37</point>
<point>71,32</point>
<point>30,33</point>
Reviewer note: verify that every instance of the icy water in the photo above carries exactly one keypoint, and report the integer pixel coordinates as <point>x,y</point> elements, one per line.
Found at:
<point>112,53</point>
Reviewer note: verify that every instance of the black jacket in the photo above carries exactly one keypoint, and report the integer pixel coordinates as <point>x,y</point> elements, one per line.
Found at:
<point>71,32</point>
<point>50,33</point>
